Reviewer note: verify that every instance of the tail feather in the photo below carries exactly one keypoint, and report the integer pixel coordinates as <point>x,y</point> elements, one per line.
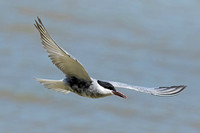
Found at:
<point>57,85</point>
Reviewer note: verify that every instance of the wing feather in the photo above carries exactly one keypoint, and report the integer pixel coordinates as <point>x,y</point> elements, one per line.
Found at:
<point>159,91</point>
<point>63,60</point>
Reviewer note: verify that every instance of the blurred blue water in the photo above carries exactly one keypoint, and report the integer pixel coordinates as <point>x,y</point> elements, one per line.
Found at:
<point>149,43</point>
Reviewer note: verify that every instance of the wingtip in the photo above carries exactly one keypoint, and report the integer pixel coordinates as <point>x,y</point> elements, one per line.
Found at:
<point>181,87</point>
<point>37,18</point>
<point>37,21</point>
<point>184,86</point>
<point>171,91</point>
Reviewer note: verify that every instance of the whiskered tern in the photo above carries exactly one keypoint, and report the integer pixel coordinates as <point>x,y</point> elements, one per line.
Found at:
<point>77,79</point>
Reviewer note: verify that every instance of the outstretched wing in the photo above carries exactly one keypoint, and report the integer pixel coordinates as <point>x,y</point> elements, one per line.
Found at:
<point>63,60</point>
<point>159,91</point>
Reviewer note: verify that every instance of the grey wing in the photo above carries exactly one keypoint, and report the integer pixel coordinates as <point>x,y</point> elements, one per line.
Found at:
<point>63,60</point>
<point>159,91</point>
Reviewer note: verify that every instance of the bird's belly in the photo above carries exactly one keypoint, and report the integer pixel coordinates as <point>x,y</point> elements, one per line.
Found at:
<point>87,93</point>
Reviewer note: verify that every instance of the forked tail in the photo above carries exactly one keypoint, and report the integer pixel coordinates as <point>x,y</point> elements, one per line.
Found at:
<point>57,85</point>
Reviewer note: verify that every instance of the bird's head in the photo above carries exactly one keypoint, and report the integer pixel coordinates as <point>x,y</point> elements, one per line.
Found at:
<point>110,87</point>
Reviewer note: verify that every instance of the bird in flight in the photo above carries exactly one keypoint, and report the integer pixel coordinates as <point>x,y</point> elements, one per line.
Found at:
<point>77,79</point>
